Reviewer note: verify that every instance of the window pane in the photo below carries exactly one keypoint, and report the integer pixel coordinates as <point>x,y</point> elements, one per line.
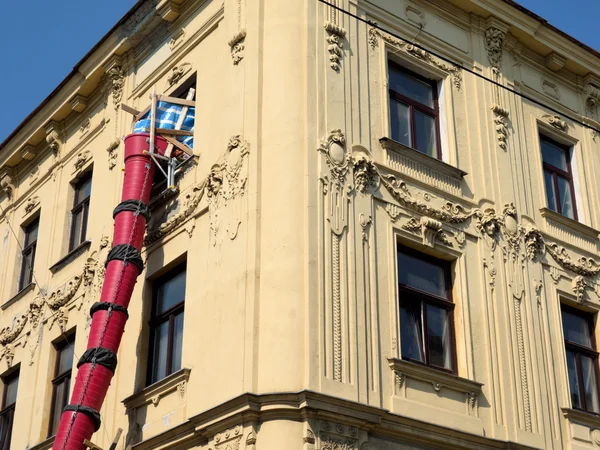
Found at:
<point>576,329</point>
<point>6,422</point>
<point>65,359</point>
<point>83,191</point>
<point>27,272</point>
<point>11,391</point>
<point>425,134</point>
<point>159,360</point>
<point>438,334</point>
<point>566,200</point>
<point>177,342</point>
<point>589,383</point>
<point>411,331</point>
<point>31,233</point>
<point>171,292</point>
<point>59,396</point>
<point>573,381</point>
<point>407,85</point>
<point>77,220</point>
<point>550,194</point>
<point>400,122</point>
<point>554,155</point>
<point>421,274</point>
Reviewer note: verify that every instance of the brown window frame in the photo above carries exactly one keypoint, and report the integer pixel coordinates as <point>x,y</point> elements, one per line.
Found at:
<point>8,411</point>
<point>579,349</point>
<point>60,378</point>
<point>29,248</point>
<point>556,172</point>
<point>425,298</point>
<point>413,104</point>
<point>158,319</point>
<point>82,207</point>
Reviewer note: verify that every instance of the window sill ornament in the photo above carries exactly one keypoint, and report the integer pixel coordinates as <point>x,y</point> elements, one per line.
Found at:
<point>557,123</point>
<point>174,383</point>
<point>375,35</point>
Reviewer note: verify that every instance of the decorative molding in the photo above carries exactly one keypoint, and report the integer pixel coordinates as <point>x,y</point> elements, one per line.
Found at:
<point>7,182</point>
<point>449,212</point>
<point>583,266</point>
<point>116,80</point>
<point>28,152</point>
<point>154,392</point>
<point>522,363</point>
<point>579,285</point>
<point>84,128</point>
<point>63,295</point>
<point>592,98</point>
<point>537,286</point>
<point>30,205</point>
<point>80,160</point>
<point>500,119</point>
<point>229,439</point>
<point>430,229</point>
<point>554,61</point>
<point>237,46</point>
<point>78,103</point>
<point>494,44</point>
<point>225,188</point>
<point>556,122</point>
<point>178,72</point>
<point>335,436</point>
<point>365,174</point>
<point>113,153</point>
<point>375,35</point>
<point>336,35</point>
<point>53,138</point>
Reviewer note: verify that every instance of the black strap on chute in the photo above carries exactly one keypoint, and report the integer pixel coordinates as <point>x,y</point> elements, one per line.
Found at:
<point>127,252</point>
<point>133,206</point>
<point>104,357</point>
<point>90,412</point>
<point>104,306</point>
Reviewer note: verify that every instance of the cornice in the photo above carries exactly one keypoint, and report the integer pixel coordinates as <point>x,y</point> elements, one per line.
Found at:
<point>305,404</point>
<point>154,392</point>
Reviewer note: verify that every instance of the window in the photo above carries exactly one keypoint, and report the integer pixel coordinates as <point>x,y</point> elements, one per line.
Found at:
<point>7,415</point>
<point>166,325</point>
<point>414,111</point>
<point>426,310</point>
<point>28,254</point>
<point>61,383</point>
<point>80,211</point>
<point>582,359</point>
<point>558,177</point>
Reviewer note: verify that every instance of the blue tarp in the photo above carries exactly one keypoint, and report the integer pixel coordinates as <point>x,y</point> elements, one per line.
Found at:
<point>167,115</point>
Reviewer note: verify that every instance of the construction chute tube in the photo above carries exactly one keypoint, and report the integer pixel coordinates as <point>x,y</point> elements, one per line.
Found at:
<point>81,417</point>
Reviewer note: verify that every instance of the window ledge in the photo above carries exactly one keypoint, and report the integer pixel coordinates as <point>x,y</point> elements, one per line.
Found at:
<point>19,295</point>
<point>572,223</point>
<point>587,418</point>
<point>437,378</point>
<point>44,445</point>
<point>70,256</point>
<point>422,167</point>
<point>154,392</point>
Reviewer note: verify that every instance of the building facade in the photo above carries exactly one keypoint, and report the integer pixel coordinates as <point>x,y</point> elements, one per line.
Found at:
<point>387,237</point>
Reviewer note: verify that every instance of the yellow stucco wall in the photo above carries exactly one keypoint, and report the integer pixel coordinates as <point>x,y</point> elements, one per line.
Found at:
<point>291,333</point>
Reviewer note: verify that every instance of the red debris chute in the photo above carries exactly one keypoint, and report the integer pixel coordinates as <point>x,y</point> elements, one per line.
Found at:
<point>81,418</point>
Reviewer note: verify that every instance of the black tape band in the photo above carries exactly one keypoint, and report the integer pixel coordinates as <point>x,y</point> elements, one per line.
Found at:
<point>103,306</point>
<point>90,412</point>
<point>104,357</point>
<point>133,206</point>
<point>126,252</point>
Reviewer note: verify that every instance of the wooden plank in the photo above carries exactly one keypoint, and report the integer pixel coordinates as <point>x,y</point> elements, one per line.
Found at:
<point>180,120</point>
<point>180,145</point>
<point>143,112</point>
<point>177,101</point>
<point>91,445</point>
<point>129,109</point>
<point>174,132</point>
<point>115,441</point>
<point>153,120</point>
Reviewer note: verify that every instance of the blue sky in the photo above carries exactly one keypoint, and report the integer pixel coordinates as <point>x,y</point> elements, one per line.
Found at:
<point>49,37</point>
